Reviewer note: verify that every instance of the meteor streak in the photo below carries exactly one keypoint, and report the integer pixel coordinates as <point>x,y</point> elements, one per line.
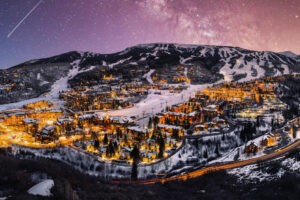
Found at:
<point>24,18</point>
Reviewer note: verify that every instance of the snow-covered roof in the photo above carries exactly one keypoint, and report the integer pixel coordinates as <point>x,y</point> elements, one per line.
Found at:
<point>168,126</point>
<point>64,120</point>
<point>137,129</point>
<point>29,121</point>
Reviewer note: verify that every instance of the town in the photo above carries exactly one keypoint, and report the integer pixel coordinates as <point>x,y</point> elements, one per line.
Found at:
<point>217,110</point>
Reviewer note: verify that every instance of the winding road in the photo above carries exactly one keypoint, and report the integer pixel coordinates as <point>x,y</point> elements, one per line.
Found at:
<point>218,167</point>
<point>200,172</point>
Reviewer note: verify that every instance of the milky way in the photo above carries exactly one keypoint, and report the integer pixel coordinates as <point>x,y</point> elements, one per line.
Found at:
<point>105,26</point>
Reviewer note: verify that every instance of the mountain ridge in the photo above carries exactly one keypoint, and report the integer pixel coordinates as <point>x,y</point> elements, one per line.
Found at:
<point>288,54</point>
<point>203,64</point>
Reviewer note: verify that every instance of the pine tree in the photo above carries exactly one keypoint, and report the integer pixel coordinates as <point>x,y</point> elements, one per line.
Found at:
<point>105,139</point>
<point>96,144</point>
<point>150,123</point>
<point>217,152</point>
<point>205,155</point>
<point>119,133</point>
<point>175,134</point>
<point>161,144</point>
<point>135,155</point>
<point>110,151</point>
<point>134,171</point>
<point>94,135</point>
<point>294,132</point>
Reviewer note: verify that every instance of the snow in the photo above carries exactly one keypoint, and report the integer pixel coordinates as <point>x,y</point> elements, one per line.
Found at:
<point>168,126</point>
<point>143,59</point>
<point>253,173</point>
<point>292,164</point>
<point>230,156</point>
<point>249,173</point>
<point>137,129</point>
<point>155,103</point>
<point>43,188</point>
<point>62,83</point>
<point>43,83</point>
<point>148,76</point>
<point>185,72</point>
<point>93,165</point>
<point>111,65</point>
<point>20,103</point>
<point>244,66</point>
<point>184,60</point>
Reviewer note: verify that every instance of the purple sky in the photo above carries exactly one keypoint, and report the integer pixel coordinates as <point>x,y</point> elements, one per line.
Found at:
<point>105,26</point>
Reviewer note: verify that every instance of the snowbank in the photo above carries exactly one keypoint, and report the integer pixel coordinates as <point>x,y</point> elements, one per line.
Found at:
<point>43,188</point>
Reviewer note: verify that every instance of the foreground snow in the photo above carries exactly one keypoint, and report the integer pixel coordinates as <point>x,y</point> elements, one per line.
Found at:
<point>43,188</point>
<point>254,173</point>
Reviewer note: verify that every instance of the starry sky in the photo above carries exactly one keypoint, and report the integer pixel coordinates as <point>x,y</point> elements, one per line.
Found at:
<point>52,27</point>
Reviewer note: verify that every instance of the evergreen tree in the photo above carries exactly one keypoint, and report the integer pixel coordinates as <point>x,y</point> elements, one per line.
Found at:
<point>161,144</point>
<point>257,121</point>
<point>119,133</point>
<point>150,123</point>
<point>175,134</point>
<point>205,155</point>
<point>125,139</point>
<point>243,134</point>
<point>96,144</point>
<point>294,132</point>
<point>110,151</point>
<point>105,139</point>
<point>135,155</point>
<point>94,135</point>
<point>217,152</point>
<point>134,171</point>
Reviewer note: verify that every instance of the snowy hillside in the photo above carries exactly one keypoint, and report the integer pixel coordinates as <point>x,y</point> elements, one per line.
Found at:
<point>203,64</point>
<point>231,62</point>
<point>191,153</point>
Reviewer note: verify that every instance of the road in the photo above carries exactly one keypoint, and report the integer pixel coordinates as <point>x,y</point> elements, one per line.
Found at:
<point>219,167</point>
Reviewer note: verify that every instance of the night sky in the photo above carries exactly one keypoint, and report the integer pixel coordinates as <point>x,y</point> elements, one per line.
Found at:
<point>105,26</point>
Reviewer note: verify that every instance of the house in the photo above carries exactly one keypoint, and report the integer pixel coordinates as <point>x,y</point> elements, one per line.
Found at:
<point>251,148</point>
<point>47,134</point>
<point>171,129</point>
<point>268,140</point>
<point>31,125</point>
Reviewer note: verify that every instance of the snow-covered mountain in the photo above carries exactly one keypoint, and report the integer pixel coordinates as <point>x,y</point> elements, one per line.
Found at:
<point>202,63</point>
<point>291,55</point>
